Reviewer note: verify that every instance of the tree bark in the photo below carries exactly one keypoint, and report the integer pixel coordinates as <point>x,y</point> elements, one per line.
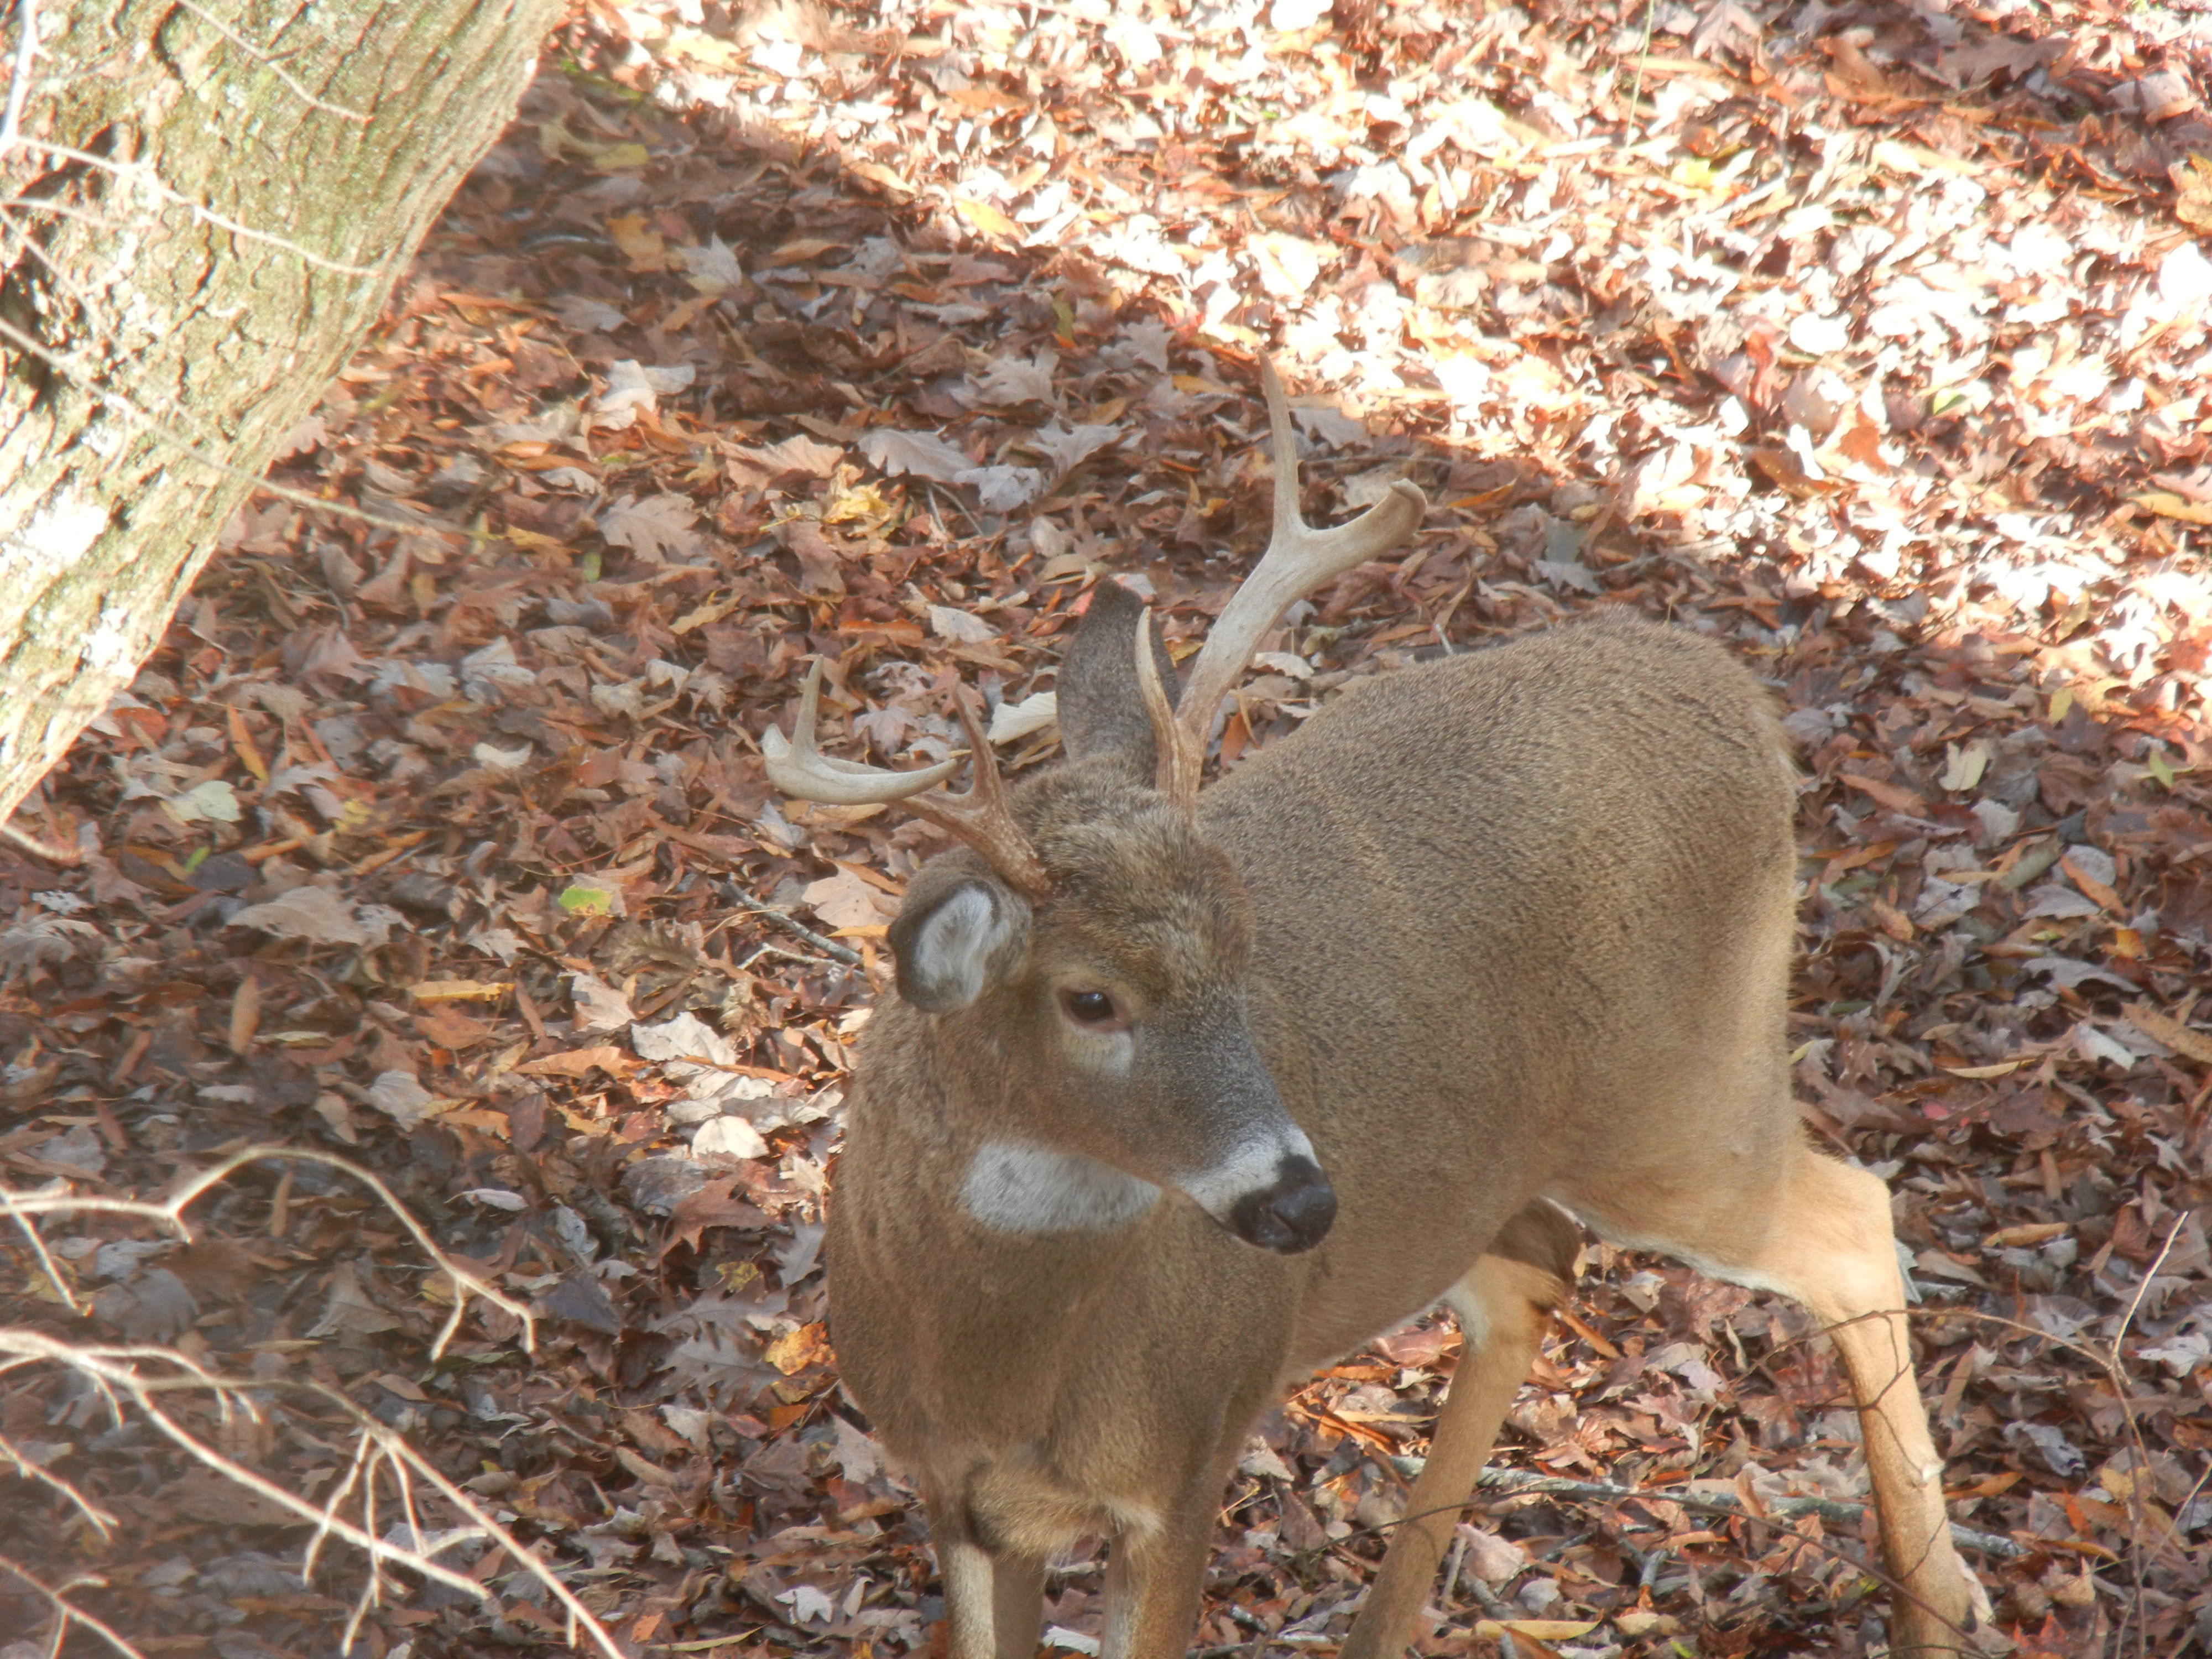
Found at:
<point>265,172</point>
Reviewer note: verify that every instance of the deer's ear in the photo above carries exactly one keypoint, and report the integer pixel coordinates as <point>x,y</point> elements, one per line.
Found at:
<point>1101,708</point>
<point>955,936</point>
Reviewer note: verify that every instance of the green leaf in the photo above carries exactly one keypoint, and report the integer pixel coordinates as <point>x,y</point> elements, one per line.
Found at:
<point>198,857</point>
<point>591,566</point>
<point>582,901</point>
<point>2155,760</point>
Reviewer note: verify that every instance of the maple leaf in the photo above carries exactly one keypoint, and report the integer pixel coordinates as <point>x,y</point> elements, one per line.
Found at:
<point>45,939</point>
<point>576,1062</point>
<point>1069,447</point>
<point>710,1205</point>
<point>766,465</point>
<point>599,1006</point>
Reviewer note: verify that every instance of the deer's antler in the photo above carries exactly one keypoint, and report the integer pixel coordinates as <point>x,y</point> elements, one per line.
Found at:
<point>1299,559</point>
<point>978,815</point>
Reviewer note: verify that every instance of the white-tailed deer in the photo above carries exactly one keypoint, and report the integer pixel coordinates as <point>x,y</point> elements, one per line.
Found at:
<point>1184,1095</point>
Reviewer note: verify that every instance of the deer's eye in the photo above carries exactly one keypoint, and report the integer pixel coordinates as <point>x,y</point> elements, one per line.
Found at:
<point>1095,1009</point>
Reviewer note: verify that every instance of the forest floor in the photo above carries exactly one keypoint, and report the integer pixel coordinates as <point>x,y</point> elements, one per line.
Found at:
<point>1870,340</point>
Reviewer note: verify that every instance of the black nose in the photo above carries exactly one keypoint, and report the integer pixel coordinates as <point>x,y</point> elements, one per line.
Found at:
<point>1292,1215</point>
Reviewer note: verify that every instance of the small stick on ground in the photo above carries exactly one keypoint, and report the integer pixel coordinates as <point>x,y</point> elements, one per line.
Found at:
<point>23,840</point>
<point>829,947</point>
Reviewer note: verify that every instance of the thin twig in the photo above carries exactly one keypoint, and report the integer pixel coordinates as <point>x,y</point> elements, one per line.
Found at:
<point>119,1367</point>
<point>144,176</point>
<point>2137,1610</point>
<point>46,1262</point>
<point>2108,1358</point>
<point>185,447</point>
<point>117,1371</point>
<point>19,79</point>
<point>363,1459</point>
<point>269,64</point>
<point>170,1213</point>
<point>1516,1482</point>
<point>67,1613</point>
<point>830,947</point>
<point>783,955</point>
<point>100,1521</point>
<point>24,841</point>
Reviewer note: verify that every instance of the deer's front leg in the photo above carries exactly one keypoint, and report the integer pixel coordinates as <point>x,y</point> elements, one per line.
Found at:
<point>995,1602</point>
<point>994,1599</point>
<point>1153,1580</point>
<point>1156,1573</point>
<point>1503,1306</point>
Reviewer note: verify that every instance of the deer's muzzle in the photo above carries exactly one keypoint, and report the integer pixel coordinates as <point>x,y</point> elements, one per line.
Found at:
<point>1292,1214</point>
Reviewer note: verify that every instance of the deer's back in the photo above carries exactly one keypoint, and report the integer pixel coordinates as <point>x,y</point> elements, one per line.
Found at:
<point>1523,926</point>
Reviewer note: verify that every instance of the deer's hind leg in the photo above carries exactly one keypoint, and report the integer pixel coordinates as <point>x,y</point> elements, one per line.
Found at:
<point>1818,1231</point>
<point>1504,1305</point>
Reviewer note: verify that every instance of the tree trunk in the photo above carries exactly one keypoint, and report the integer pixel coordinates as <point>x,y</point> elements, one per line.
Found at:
<point>260,185</point>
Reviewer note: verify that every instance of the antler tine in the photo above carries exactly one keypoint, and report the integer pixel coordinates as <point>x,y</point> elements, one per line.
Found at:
<point>1157,709</point>
<point>979,816</point>
<point>805,773</point>
<point>1299,559</point>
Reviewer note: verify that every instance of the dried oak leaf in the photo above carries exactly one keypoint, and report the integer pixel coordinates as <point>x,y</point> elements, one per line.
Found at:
<point>845,901</point>
<point>313,913</point>
<point>599,1006</point>
<point>654,529</point>
<point>582,1300</point>
<point>350,1310</point>
<point>923,453</point>
<point>577,1062</point>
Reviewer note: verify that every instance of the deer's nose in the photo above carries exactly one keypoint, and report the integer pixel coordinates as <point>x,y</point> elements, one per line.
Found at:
<point>1292,1214</point>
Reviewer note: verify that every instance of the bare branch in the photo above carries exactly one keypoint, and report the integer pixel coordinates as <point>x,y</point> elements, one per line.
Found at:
<point>23,840</point>
<point>746,901</point>
<point>376,1446</point>
<point>269,64</point>
<point>186,446</point>
<point>46,1260</point>
<point>67,1613</point>
<point>19,77</point>
<point>170,1213</point>
<point>100,1520</point>
<point>119,1366</point>
<point>145,178</point>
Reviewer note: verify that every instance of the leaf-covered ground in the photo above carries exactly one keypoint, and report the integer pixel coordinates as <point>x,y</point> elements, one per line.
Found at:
<point>1871,340</point>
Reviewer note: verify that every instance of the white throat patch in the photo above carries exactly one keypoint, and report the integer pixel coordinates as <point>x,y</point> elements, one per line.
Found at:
<point>1027,1190</point>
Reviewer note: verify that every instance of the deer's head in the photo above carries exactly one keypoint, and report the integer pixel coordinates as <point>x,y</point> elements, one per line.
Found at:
<point>1075,975</point>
